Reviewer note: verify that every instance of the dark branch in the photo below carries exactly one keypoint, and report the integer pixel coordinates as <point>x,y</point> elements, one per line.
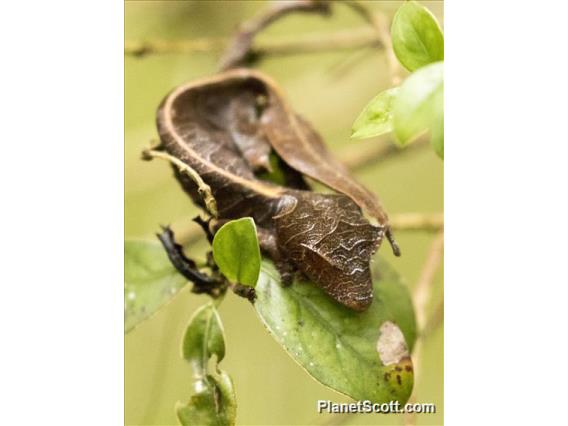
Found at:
<point>240,51</point>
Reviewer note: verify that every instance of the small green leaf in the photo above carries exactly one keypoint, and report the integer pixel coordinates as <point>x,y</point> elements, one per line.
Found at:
<point>236,251</point>
<point>203,338</point>
<point>213,401</point>
<point>419,107</point>
<point>416,36</point>
<point>376,117</point>
<point>150,281</point>
<point>362,355</point>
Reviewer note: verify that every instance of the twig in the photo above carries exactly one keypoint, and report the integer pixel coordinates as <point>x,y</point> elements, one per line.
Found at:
<point>203,189</point>
<point>140,48</point>
<point>375,153</point>
<point>311,43</point>
<point>395,69</point>
<point>434,320</point>
<point>341,40</point>
<point>239,51</point>
<point>417,222</point>
<point>421,293</point>
<point>382,26</point>
<point>421,297</point>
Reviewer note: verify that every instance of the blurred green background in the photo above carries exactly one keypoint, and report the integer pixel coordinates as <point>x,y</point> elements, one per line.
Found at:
<point>329,89</point>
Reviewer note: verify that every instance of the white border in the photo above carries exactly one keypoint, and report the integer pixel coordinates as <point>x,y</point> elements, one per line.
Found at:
<point>61,308</point>
<point>506,162</point>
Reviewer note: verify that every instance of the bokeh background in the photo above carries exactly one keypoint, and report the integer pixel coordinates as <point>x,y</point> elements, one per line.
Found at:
<point>329,89</point>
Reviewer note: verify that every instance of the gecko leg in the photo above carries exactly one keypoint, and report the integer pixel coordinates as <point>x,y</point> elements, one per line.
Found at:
<point>187,267</point>
<point>205,225</point>
<point>269,246</point>
<point>392,241</point>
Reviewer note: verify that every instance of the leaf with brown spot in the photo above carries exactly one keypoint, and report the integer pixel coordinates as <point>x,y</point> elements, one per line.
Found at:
<point>336,346</point>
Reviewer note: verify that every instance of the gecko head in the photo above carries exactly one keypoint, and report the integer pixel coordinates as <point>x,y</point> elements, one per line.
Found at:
<point>327,237</point>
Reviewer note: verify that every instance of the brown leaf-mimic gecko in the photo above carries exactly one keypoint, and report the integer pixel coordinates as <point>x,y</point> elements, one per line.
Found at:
<point>225,128</point>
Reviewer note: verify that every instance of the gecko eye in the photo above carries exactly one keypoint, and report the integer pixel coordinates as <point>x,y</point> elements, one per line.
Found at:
<point>261,102</point>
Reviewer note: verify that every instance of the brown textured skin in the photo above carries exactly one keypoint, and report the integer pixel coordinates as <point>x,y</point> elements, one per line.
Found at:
<point>225,127</point>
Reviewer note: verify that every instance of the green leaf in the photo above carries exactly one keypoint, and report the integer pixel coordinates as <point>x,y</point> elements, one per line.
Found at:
<point>277,175</point>
<point>213,401</point>
<point>358,354</point>
<point>417,39</point>
<point>236,251</point>
<point>150,281</point>
<point>203,338</point>
<point>376,117</point>
<point>419,107</point>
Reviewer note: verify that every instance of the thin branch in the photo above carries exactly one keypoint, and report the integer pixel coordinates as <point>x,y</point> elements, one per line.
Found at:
<point>240,52</point>
<point>432,222</point>
<point>141,48</point>
<point>373,153</point>
<point>434,321</point>
<point>284,46</point>
<point>341,40</point>
<point>421,297</point>
<point>382,27</point>
<point>423,289</point>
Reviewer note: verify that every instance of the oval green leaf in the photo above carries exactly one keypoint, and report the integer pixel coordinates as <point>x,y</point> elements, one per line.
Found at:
<point>376,117</point>
<point>150,281</point>
<point>236,251</point>
<point>417,39</point>
<point>357,354</point>
<point>419,107</point>
<point>203,338</point>
<point>213,401</point>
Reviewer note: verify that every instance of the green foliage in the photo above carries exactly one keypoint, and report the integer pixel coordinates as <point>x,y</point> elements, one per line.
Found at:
<point>419,107</point>
<point>338,347</point>
<point>213,401</point>
<point>150,281</point>
<point>236,251</point>
<point>335,345</point>
<point>203,338</point>
<point>276,175</point>
<point>417,39</point>
<point>376,117</point>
